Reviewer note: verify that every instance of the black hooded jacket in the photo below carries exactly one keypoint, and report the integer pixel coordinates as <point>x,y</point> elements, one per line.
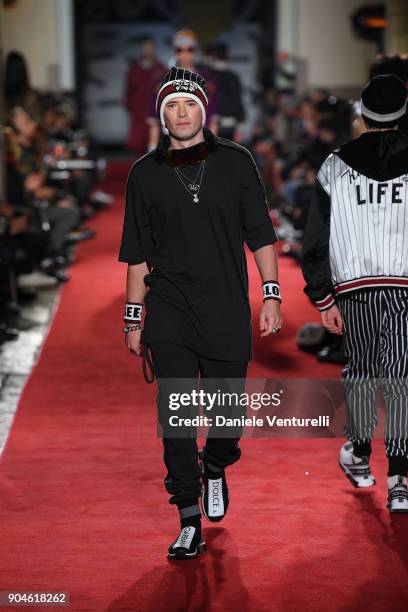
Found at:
<point>355,232</point>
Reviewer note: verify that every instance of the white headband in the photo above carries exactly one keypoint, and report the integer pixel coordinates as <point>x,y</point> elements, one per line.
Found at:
<point>383,118</point>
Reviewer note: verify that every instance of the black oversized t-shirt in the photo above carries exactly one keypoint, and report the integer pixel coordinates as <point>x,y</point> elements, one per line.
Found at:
<point>198,281</point>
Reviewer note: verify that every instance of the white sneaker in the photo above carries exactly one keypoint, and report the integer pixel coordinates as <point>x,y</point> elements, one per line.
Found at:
<point>397,494</point>
<point>35,280</point>
<point>357,469</point>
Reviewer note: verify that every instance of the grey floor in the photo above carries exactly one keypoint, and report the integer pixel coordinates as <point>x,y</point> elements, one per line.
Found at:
<point>18,357</point>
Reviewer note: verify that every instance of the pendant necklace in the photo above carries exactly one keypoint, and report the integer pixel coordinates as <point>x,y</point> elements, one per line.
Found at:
<point>193,187</point>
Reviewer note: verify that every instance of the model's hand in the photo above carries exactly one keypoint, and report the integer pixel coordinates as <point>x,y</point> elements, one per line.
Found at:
<point>270,318</point>
<point>132,341</point>
<point>332,320</point>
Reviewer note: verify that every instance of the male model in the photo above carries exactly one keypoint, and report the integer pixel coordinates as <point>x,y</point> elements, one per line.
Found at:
<point>191,205</point>
<point>355,263</point>
<point>186,53</point>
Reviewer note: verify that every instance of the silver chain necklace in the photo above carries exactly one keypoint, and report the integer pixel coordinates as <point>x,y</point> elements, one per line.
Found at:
<point>192,187</point>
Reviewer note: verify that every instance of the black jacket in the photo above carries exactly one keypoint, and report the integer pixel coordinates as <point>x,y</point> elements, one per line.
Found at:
<point>337,240</point>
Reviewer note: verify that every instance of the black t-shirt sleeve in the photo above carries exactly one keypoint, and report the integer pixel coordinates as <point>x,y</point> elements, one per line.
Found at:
<point>135,225</point>
<point>258,230</point>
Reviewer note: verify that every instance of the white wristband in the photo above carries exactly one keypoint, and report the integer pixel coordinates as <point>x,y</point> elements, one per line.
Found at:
<point>133,311</point>
<point>271,291</point>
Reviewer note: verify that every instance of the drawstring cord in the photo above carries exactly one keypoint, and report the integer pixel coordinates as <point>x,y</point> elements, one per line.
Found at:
<point>147,361</point>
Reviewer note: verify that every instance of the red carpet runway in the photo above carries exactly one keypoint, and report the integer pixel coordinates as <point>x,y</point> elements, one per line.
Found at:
<point>82,505</point>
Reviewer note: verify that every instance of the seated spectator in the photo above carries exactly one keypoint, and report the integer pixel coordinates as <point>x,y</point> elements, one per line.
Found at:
<point>66,141</point>
<point>41,218</point>
<point>26,184</point>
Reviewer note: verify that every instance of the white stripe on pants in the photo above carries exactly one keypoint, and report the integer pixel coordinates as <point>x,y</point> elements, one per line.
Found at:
<point>375,327</point>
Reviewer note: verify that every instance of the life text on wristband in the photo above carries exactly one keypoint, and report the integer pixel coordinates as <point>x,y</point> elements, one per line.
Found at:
<point>133,311</point>
<point>271,291</point>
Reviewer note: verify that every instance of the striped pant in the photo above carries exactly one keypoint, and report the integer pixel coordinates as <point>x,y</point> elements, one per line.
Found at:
<point>375,328</point>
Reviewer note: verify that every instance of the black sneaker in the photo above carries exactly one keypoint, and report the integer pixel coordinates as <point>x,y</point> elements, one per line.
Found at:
<point>397,494</point>
<point>214,492</point>
<point>188,544</point>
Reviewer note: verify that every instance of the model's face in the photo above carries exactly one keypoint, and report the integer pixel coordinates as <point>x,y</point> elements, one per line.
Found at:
<point>185,56</point>
<point>183,118</point>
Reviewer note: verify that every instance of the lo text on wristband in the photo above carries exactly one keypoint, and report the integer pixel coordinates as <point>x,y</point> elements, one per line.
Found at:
<point>271,291</point>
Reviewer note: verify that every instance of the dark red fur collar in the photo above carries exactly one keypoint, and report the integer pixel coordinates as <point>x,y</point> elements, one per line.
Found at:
<point>190,155</point>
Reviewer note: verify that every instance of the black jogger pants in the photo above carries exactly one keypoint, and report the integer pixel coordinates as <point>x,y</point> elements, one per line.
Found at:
<point>174,361</point>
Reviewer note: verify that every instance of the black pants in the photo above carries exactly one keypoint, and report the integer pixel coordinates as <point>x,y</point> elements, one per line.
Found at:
<point>181,453</point>
<point>376,342</point>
